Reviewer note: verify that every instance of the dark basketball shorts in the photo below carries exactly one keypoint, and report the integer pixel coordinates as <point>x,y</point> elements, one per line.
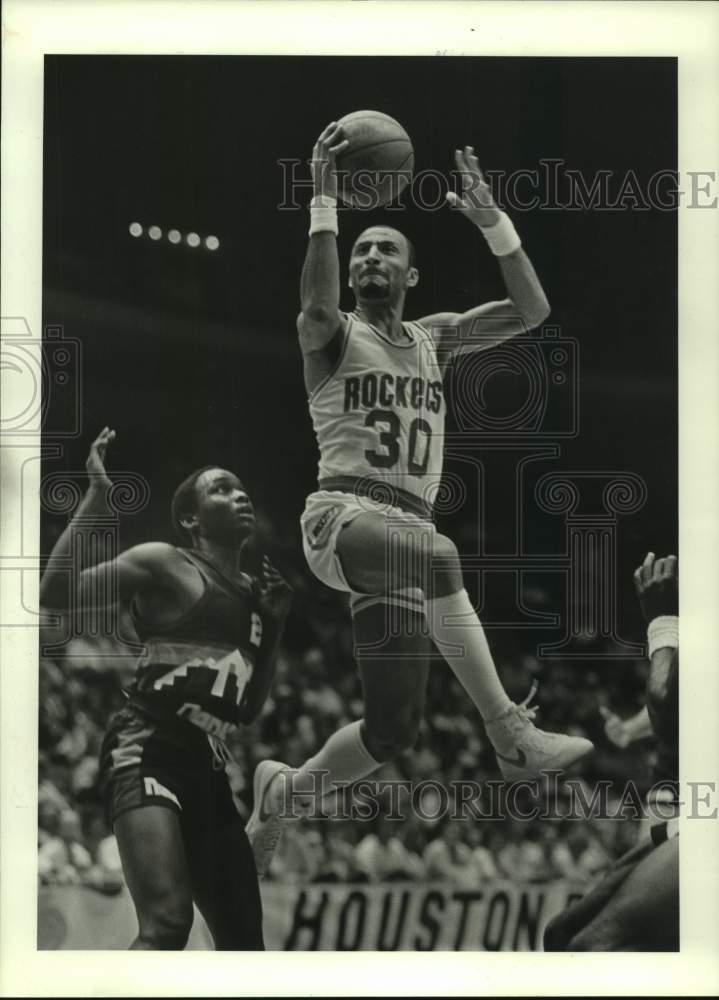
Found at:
<point>146,762</point>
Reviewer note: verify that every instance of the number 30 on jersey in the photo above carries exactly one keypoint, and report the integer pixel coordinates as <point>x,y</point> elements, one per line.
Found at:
<point>389,426</point>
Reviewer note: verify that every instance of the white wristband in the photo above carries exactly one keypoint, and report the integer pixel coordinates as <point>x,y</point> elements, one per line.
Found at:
<point>323,214</point>
<point>502,237</point>
<point>663,631</point>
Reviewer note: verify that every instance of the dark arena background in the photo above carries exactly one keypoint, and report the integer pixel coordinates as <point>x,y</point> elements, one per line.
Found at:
<point>190,354</point>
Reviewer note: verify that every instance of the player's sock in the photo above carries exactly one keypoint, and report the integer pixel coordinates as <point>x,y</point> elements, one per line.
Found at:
<point>460,638</point>
<point>343,760</point>
<point>523,751</point>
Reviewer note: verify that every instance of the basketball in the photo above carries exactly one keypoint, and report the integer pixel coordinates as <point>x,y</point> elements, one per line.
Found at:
<point>378,162</point>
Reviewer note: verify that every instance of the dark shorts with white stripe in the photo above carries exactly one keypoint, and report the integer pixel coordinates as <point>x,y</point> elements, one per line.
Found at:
<point>144,763</point>
<point>147,762</point>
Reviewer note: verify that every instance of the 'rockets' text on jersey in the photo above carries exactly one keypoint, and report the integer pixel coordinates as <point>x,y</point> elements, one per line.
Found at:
<point>380,413</point>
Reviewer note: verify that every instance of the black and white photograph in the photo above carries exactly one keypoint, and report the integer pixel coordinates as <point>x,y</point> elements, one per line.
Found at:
<point>346,504</point>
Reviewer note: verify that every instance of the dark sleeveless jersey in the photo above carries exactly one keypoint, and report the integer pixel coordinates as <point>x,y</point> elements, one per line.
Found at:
<point>202,668</point>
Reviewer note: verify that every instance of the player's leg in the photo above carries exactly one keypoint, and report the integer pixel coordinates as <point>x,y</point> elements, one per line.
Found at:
<point>141,777</point>
<point>643,914</point>
<point>222,866</point>
<point>380,553</point>
<point>156,871</point>
<point>392,654</point>
<point>384,554</point>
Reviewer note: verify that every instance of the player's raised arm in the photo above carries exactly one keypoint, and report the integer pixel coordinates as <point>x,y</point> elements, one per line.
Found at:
<point>526,305</point>
<point>320,284</point>
<point>656,583</point>
<point>65,580</point>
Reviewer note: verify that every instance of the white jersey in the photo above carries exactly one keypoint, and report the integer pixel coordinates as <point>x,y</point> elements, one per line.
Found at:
<point>379,415</point>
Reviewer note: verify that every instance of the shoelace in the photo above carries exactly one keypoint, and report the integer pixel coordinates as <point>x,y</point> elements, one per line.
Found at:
<point>525,710</point>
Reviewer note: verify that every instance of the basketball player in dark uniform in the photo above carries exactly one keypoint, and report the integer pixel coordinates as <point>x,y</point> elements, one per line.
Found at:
<point>210,631</point>
<point>635,906</point>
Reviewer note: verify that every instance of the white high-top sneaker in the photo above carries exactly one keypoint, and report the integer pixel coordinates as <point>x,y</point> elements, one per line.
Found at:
<point>270,813</point>
<point>523,751</point>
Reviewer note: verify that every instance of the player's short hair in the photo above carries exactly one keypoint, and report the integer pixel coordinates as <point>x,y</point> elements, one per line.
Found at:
<point>410,245</point>
<point>184,501</point>
<point>410,250</point>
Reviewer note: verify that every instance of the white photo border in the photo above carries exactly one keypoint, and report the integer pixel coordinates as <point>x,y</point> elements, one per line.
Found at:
<point>33,28</point>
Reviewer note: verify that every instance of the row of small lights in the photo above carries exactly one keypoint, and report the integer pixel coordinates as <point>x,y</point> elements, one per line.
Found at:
<point>175,236</point>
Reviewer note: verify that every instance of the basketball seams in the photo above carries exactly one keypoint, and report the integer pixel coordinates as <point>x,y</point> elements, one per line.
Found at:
<point>378,145</point>
<point>373,145</point>
<point>409,156</point>
<point>369,116</point>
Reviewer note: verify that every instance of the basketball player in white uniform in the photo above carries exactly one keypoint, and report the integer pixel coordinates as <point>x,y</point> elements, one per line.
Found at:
<point>374,383</point>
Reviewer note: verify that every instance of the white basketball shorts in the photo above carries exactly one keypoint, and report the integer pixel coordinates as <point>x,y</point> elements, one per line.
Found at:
<point>326,513</point>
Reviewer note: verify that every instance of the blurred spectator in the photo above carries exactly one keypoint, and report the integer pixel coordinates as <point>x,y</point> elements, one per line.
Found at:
<point>63,858</point>
<point>521,858</point>
<point>384,858</point>
<point>576,853</point>
<point>447,857</point>
<point>299,856</point>
<point>341,862</point>
<point>483,863</point>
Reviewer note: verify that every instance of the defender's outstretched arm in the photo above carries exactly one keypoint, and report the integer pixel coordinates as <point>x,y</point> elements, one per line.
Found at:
<point>61,584</point>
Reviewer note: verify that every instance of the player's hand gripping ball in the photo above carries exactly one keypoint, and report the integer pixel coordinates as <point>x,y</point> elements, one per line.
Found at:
<point>377,163</point>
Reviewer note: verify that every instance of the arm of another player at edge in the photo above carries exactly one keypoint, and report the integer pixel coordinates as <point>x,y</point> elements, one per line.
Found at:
<point>663,663</point>
<point>656,583</point>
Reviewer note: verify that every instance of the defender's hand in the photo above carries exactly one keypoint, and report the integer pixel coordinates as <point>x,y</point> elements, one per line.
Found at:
<point>275,593</point>
<point>95,463</point>
<point>476,201</point>
<point>330,142</point>
<point>656,582</point>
